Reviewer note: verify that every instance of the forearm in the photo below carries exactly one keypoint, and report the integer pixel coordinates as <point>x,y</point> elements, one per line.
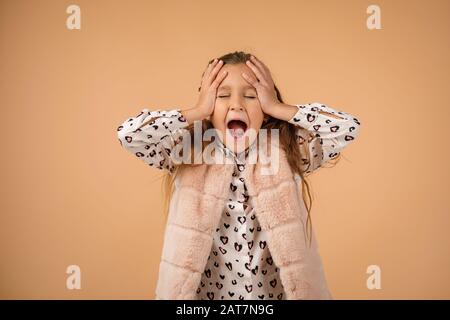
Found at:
<point>282,111</point>
<point>286,112</point>
<point>151,135</point>
<point>327,131</point>
<point>193,114</point>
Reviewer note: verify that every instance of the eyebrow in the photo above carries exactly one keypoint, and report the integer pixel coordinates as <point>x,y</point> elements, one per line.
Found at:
<point>228,87</point>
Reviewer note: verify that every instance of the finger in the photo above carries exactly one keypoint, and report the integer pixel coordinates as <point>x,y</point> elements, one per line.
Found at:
<point>267,74</point>
<point>260,64</point>
<point>214,71</point>
<point>210,67</point>
<point>259,74</point>
<point>252,80</point>
<point>207,72</point>
<point>216,83</point>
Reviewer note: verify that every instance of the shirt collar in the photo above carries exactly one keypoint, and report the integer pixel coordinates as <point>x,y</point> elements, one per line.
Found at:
<point>239,157</point>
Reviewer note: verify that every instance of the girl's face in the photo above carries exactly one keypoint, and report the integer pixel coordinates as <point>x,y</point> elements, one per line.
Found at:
<point>237,114</point>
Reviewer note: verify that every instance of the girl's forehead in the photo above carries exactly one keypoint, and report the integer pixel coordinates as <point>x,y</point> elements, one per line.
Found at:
<point>237,67</point>
<point>231,86</point>
<point>234,78</point>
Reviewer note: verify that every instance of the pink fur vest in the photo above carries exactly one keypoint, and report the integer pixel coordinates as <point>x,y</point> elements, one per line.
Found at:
<point>195,210</point>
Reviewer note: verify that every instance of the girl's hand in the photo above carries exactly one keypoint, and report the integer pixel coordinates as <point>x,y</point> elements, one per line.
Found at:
<point>262,81</point>
<point>208,88</point>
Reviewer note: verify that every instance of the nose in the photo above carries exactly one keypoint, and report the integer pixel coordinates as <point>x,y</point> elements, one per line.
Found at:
<point>237,108</point>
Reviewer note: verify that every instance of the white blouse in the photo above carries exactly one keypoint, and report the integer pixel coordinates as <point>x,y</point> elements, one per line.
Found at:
<point>240,265</point>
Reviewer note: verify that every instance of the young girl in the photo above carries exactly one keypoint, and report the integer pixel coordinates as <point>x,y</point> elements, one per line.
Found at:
<point>231,232</point>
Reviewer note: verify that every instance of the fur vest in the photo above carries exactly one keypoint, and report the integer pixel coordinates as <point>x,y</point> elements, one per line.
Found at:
<point>196,206</point>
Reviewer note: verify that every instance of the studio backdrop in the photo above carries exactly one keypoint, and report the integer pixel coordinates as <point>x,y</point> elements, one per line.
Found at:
<point>81,218</point>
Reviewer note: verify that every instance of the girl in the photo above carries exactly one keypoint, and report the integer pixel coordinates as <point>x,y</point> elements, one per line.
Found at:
<point>232,233</point>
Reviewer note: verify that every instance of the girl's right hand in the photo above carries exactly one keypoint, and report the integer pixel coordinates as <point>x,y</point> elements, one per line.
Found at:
<point>208,88</point>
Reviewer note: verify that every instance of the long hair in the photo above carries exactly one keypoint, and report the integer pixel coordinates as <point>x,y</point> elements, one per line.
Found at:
<point>298,157</point>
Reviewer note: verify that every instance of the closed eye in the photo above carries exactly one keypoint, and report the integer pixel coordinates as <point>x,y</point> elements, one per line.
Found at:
<point>244,97</point>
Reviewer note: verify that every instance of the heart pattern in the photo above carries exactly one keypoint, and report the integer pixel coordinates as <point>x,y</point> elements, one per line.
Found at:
<point>240,250</point>
<point>241,258</point>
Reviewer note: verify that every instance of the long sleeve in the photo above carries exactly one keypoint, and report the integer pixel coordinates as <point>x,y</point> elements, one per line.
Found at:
<point>152,135</point>
<point>327,130</point>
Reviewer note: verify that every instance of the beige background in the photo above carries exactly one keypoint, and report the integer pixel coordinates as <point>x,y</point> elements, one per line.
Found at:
<point>71,195</point>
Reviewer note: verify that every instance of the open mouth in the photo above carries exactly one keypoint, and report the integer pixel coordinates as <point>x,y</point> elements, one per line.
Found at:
<point>237,128</point>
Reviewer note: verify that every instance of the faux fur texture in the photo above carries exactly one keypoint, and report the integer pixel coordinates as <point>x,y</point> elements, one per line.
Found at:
<point>196,207</point>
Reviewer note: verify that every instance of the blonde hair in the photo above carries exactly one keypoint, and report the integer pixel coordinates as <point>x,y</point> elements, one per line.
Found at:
<point>296,156</point>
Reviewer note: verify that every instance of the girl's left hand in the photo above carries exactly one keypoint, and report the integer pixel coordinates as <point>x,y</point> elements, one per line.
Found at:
<point>262,81</point>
